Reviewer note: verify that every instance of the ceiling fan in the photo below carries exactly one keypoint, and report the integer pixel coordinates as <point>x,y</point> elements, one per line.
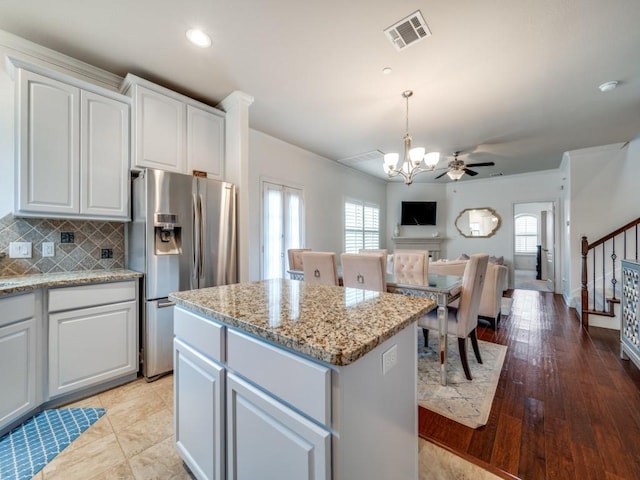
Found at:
<point>457,168</point>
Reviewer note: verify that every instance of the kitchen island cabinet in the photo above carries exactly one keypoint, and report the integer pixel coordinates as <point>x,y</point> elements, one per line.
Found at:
<point>282,379</point>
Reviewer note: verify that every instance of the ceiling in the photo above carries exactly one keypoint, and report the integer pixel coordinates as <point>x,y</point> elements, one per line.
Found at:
<point>513,82</point>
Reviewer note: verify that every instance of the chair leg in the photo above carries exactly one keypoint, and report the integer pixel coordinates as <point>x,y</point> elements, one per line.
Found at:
<point>474,344</point>
<point>462,348</point>
<point>425,333</point>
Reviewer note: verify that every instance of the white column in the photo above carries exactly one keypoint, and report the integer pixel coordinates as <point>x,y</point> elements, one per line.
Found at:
<point>236,105</point>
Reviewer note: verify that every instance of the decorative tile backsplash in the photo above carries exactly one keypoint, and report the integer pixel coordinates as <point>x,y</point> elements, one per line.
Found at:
<point>92,244</point>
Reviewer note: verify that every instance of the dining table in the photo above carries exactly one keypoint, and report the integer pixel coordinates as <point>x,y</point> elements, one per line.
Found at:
<point>444,289</point>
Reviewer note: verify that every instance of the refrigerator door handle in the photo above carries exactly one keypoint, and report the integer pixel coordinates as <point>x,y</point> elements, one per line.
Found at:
<point>201,266</point>
<point>165,303</point>
<point>195,273</point>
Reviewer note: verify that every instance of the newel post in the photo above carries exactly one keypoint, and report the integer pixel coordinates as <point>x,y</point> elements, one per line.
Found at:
<point>585,292</point>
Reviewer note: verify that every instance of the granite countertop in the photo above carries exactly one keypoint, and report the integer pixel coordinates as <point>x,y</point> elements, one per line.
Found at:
<point>332,324</point>
<point>23,283</point>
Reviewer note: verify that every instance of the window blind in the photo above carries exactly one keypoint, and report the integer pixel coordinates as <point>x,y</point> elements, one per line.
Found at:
<point>361,226</point>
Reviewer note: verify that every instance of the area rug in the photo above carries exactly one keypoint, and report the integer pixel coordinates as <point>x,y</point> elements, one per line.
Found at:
<point>26,449</point>
<point>466,402</point>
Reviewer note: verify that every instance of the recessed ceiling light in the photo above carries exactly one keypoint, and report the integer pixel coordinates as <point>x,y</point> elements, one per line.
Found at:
<point>386,70</point>
<point>199,38</point>
<point>608,86</point>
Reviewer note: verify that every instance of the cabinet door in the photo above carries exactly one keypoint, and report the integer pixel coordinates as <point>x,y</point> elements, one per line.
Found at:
<point>159,131</point>
<point>205,141</point>
<point>268,440</point>
<point>91,345</point>
<point>104,145</point>
<point>18,375</point>
<point>199,407</point>
<point>48,145</point>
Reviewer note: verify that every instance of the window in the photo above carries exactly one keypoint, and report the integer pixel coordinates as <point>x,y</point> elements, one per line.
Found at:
<point>282,227</point>
<point>361,226</point>
<point>526,233</point>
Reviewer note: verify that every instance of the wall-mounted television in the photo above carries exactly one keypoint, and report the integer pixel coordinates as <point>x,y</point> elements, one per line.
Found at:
<point>418,213</point>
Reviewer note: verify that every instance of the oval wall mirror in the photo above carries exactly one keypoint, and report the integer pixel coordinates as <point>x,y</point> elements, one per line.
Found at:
<point>478,222</point>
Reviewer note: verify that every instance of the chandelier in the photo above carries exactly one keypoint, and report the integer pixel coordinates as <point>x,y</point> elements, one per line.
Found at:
<point>414,160</point>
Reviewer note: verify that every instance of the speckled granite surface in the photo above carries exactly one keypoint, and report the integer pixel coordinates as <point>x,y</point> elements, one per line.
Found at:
<point>25,283</point>
<point>335,325</point>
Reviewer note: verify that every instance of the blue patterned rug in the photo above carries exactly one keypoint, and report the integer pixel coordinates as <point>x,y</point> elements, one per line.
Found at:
<point>26,449</point>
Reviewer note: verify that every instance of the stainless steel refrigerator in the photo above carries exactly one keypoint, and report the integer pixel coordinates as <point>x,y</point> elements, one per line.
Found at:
<point>182,237</point>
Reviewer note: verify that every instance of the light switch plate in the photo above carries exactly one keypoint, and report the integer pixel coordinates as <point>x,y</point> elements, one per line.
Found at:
<point>20,249</point>
<point>48,249</point>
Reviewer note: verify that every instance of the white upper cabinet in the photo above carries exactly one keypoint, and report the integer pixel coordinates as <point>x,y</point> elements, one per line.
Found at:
<point>72,150</point>
<point>173,132</point>
<point>159,131</point>
<point>105,156</point>
<point>48,145</point>
<point>205,141</point>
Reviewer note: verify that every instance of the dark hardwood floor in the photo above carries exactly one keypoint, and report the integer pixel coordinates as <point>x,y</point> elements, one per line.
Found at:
<point>566,406</point>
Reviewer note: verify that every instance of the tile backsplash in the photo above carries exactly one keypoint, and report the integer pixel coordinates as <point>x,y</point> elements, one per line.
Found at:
<point>89,241</point>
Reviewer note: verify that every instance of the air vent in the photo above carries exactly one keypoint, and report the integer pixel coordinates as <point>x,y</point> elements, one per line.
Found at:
<point>408,31</point>
<point>374,155</point>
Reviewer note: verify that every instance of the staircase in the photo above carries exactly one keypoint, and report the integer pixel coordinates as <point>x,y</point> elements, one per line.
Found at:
<point>600,269</point>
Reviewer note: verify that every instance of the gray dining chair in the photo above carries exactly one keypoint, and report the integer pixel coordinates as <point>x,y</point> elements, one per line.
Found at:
<point>463,321</point>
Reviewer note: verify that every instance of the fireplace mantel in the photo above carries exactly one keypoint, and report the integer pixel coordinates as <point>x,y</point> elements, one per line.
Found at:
<point>433,244</point>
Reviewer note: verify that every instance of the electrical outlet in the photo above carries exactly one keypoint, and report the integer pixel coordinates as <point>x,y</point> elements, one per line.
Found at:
<point>20,249</point>
<point>67,237</point>
<point>389,359</point>
<point>48,249</point>
<point>106,253</point>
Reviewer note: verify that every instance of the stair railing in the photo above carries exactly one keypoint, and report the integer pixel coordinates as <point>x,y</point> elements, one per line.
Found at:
<point>597,253</point>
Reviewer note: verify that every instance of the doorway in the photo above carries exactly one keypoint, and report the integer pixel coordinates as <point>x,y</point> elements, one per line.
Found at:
<point>534,246</point>
<point>282,227</point>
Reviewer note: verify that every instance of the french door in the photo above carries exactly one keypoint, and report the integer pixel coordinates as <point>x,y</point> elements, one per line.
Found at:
<point>282,227</point>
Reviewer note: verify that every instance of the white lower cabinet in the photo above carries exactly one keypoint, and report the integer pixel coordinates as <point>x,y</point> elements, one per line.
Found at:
<point>199,438</point>
<point>239,421</point>
<point>18,356</point>
<point>92,344</point>
<point>285,416</point>
<point>268,440</point>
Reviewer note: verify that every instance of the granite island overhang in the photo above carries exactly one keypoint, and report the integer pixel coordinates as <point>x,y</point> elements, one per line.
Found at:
<point>323,376</point>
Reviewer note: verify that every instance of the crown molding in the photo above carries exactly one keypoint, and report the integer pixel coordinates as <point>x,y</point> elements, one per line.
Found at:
<point>236,98</point>
<point>35,53</point>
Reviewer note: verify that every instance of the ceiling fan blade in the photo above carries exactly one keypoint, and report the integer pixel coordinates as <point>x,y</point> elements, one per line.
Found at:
<point>441,175</point>
<point>481,164</point>
<point>470,172</point>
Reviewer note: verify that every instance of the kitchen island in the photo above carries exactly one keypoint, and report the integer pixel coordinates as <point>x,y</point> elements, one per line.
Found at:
<point>288,380</point>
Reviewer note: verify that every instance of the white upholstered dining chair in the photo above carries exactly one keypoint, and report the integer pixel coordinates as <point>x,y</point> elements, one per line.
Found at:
<point>411,266</point>
<point>320,267</point>
<point>295,257</point>
<point>463,321</point>
<point>364,270</point>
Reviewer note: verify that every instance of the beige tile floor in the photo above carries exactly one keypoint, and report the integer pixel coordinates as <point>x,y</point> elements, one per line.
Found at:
<point>134,441</point>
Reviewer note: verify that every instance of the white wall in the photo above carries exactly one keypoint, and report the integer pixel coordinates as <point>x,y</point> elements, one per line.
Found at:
<point>499,193</point>
<point>604,195</point>
<point>325,186</point>
<point>426,192</point>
